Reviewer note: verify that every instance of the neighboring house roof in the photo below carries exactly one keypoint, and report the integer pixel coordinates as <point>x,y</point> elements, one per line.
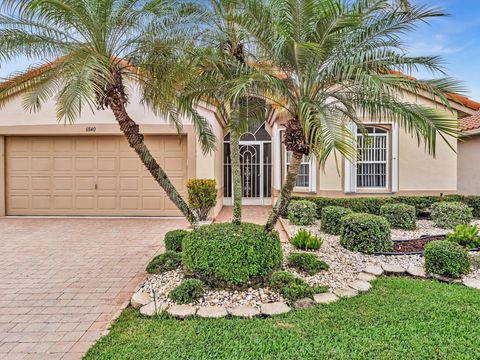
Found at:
<point>470,123</point>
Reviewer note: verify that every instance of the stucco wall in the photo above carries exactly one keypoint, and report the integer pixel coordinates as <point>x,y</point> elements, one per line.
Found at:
<point>2,176</point>
<point>469,166</point>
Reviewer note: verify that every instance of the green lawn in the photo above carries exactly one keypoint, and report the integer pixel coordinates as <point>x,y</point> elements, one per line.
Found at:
<point>399,319</point>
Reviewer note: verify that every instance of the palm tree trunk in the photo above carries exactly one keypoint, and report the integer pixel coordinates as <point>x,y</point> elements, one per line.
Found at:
<point>286,193</point>
<point>236,177</point>
<point>116,100</point>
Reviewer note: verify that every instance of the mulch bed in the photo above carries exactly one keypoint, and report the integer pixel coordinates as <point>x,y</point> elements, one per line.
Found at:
<point>411,247</point>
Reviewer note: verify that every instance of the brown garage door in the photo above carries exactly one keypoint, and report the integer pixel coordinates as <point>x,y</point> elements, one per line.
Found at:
<point>90,176</point>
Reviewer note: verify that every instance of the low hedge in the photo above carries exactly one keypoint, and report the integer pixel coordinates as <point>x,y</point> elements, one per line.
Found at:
<point>365,233</point>
<point>168,261</point>
<point>230,255</point>
<point>400,216</point>
<point>293,288</point>
<point>301,212</point>
<point>331,219</point>
<point>307,262</point>
<point>372,205</point>
<point>447,259</point>
<point>448,215</point>
<point>189,291</point>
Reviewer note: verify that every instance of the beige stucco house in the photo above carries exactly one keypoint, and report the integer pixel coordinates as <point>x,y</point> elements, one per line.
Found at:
<point>469,156</point>
<point>87,168</point>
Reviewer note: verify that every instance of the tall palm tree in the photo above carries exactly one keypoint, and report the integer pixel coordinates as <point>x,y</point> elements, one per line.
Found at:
<point>329,63</point>
<point>91,50</point>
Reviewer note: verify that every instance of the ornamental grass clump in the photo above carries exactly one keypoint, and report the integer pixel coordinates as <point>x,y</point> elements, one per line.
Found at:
<point>466,236</point>
<point>304,240</point>
<point>231,255</point>
<point>449,214</point>
<point>331,219</point>
<point>302,212</point>
<point>446,258</point>
<point>400,216</point>
<point>366,233</point>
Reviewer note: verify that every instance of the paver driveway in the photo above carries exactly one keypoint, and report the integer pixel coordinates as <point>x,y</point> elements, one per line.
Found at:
<point>62,281</point>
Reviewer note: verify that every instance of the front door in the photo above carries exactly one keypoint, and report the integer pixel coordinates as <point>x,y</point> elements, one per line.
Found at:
<point>256,169</point>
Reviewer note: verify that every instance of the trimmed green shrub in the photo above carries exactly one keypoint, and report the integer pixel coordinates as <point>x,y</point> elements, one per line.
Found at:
<point>304,240</point>
<point>302,212</point>
<point>447,215</point>
<point>331,216</point>
<point>447,259</point>
<point>466,236</point>
<point>280,279</point>
<point>189,291</point>
<point>400,216</point>
<point>232,255</point>
<point>307,262</point>
<point>167,261</point>
<point>293,288</point>
<point>372,205</point>
<point>173,240</point>
<point>202,196</point>
<point>365,233</point>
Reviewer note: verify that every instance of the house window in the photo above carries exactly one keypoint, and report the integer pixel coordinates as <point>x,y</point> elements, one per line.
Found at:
<point>303,177</point>
<point>372,163</point>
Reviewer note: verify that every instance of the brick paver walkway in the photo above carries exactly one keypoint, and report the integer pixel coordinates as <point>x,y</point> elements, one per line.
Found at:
<point>62,281</point>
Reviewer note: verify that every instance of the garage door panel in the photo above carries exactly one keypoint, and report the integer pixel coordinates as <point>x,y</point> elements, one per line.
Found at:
<point>90,176</point>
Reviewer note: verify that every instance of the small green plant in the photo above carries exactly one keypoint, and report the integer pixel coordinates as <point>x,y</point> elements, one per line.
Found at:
<point>365,233</point>
<point>302,212</point>
<point>293,288</point>
<point>304,240</point>
<point>447,259</point>
<point>400,216</point>
<point>189,291</point>
<point>465,235</point>
<point>331,219</point>
<point>447,215</point>
<point>202,196</point>
<point>307,262</point>
<point>167,261</point>
<point>173,240</point>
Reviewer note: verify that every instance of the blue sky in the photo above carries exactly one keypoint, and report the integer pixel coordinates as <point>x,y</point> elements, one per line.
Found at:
<point>456,38</point>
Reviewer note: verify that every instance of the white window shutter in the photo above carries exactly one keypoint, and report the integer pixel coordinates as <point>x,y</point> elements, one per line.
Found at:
<point>277,150</point>
<point>394,157</point>
<point>350,168</point>
<point>312,186</point>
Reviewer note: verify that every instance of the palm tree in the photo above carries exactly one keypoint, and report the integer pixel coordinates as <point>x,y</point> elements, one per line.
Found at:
<point>220,59</point>
<point>330,63</point>
<point>91,50</point>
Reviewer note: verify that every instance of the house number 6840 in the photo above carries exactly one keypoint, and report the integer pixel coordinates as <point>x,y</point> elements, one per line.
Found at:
<point>90,129</point>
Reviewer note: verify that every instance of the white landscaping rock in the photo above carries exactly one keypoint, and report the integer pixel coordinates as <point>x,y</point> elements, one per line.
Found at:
<point>275,308</point>
<point>417,271</point>
<point>212,312</point>
<point>366,276</point>
<point>182,311</point>
<point>346,292</point>
<point>325,298</point>
<point>374,270</point>
<point>360,285</point>
<point>391,269</point>
<point>149,309</point>
<point>140,299</point>
<point>472,283</point>
<point>244,311</point>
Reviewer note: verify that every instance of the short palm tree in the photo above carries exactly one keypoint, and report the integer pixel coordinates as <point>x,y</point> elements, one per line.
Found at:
<point>93,49</point>
<point>330,63</point>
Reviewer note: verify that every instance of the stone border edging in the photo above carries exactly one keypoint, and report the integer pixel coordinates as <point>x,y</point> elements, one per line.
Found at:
<point>360,285</point>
